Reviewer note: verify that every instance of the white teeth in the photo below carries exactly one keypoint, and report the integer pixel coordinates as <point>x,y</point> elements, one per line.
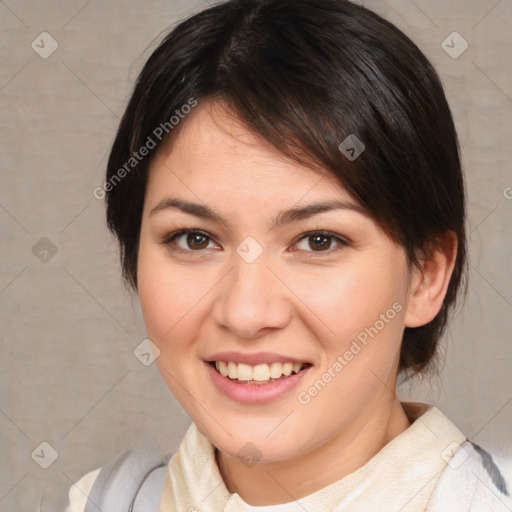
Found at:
<point>287,368</point>
<point>260,372</point>
<point>222,367</point>
<point>244,372</point>
<point>297,367</point>
<point>232,370</point>
<point>276,370</point>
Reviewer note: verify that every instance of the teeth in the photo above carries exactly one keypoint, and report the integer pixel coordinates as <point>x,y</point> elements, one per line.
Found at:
<point>260,373</point>
<point>287,368</point>
<point>276,370</point>
<point>244,372</point>
<point>222,367</point>
<point>232,370</point>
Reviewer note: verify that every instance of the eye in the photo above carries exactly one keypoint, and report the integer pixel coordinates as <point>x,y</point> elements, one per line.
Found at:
<point>321,241</point>
<point>196,241</point>
<point>192,240</point>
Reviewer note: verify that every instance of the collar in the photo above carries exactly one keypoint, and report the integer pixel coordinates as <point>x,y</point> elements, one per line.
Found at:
<point>402,474</point>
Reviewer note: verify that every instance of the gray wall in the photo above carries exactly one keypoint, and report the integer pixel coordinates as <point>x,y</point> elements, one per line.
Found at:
<point>68,375</point>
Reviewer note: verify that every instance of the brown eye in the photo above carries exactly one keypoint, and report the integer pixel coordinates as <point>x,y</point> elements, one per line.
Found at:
<point>321,242</point>
<point>196,241</point>
<point>187,240</point>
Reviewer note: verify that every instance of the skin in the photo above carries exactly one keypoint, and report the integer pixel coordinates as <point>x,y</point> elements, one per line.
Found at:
<point>293,300</point>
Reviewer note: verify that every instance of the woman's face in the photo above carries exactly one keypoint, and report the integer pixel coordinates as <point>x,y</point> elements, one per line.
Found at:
<point>263,287</point>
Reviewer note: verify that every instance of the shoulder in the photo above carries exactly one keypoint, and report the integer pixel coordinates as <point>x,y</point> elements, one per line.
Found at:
<point>133,477</point>
<point>473,480</point>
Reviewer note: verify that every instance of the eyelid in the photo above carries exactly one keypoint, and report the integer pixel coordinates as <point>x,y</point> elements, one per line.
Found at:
<point>341,241</point>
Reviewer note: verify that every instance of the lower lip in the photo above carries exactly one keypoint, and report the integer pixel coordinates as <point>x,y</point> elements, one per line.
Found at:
<point>254,393</point>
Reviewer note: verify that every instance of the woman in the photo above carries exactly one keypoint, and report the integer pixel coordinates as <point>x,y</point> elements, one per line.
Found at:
<point>286,189</point>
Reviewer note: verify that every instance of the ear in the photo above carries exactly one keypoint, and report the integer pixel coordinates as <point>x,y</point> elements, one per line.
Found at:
<point>429,282</point>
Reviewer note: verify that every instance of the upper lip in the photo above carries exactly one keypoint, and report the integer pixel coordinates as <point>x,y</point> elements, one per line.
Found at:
<point>253,359</point>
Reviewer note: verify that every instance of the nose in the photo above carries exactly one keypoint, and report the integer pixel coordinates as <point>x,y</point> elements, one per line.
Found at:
<point>253,300</point>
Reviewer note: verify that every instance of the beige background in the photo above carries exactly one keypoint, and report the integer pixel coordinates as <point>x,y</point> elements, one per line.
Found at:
<point>68,375</point>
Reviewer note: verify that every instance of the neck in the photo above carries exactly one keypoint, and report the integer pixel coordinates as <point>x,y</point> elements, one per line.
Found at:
<point>286,481</point>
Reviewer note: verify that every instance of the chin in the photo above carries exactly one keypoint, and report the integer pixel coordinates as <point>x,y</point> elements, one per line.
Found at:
<point>253,444</point>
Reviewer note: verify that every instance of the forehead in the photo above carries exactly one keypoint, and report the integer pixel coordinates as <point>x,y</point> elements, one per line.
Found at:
<point>215,152</point>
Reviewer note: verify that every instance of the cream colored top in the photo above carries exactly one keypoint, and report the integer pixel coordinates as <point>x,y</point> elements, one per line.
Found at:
<point>401,476</point>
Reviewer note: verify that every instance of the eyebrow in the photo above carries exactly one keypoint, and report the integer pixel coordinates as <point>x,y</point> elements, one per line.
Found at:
<point>284,217</point>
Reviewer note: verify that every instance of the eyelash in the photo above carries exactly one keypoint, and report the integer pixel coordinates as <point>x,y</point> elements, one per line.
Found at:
<point>169,240</point>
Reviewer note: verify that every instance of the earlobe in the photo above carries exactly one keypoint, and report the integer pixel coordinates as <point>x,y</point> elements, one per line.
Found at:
<point>430,282</point>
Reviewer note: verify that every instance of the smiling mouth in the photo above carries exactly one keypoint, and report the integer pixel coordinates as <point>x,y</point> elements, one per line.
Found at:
<point>260,374</point>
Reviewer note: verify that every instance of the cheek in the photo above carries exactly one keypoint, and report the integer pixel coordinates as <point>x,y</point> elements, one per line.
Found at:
<point>167,301</point>
<point>348,299</point>
<point>173,297</point>
<point>159,293</point>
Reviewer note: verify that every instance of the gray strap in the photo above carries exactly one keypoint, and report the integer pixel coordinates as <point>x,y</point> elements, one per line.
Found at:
<point>147,496</point>
<point>471,482</point>
<point>130,482</point>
